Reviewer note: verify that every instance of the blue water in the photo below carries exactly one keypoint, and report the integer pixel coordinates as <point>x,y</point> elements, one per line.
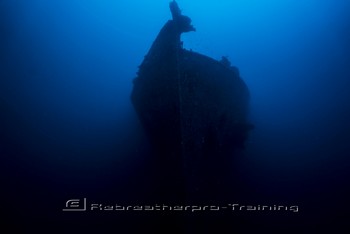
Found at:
<point>66,71</point>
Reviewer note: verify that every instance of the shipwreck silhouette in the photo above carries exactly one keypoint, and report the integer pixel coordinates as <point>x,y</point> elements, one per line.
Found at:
<point>193,109</point>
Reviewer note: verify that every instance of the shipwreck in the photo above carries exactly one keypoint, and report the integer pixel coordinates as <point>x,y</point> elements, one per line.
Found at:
<point>194,111</point>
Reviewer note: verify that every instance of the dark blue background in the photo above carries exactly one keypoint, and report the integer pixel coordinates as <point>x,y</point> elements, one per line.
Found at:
<point>68,128</point>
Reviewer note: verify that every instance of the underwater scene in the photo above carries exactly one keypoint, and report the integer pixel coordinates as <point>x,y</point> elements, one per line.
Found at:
<point>182,116</point>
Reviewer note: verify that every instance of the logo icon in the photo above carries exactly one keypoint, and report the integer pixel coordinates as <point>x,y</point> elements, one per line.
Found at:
<point>75,205</point>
